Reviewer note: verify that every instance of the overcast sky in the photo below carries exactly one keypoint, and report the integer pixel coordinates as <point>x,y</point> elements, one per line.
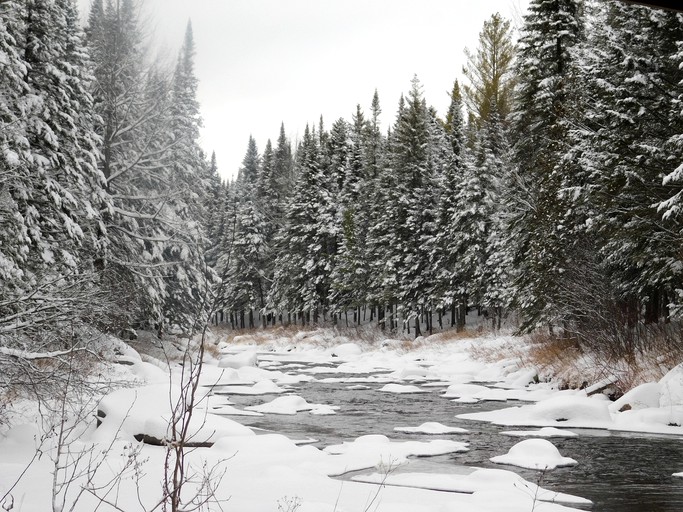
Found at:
<point>263,62</point>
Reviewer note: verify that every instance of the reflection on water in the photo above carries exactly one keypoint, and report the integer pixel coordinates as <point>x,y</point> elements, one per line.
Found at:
<point>618,472</point>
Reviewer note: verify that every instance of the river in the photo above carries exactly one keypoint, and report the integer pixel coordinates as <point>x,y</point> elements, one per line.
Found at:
<point>618,472</point>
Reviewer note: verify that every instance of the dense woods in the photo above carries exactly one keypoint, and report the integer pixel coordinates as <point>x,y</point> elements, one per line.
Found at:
<point>550,190</point>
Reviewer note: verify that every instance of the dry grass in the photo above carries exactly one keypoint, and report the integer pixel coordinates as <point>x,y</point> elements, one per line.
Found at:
<point>564,361</point>
<point>493,354</point>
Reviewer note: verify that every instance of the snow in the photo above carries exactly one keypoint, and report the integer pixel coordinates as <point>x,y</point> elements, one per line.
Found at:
<point>671,392</point>
<point>260,470</point>
<point>237,361</point>
<point>641,397</point>
<point>262,387</point>
<point>380,448</point>
<point>146,410</point>
<point>433,428</point>
<point>480,481</point>
<point>290,405</point>
<point>347,350</point>
<point>564,409</point>
<point>400,388</point>
<point>543,432</point>
<point>534,454</point>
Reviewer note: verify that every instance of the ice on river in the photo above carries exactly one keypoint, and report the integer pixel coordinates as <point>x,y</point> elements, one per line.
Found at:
<point>482,482</point>
<point>543,432</point>
<point>431,428</point>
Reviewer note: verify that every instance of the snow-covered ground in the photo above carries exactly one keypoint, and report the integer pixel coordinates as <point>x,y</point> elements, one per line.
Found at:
<point>106,466</point>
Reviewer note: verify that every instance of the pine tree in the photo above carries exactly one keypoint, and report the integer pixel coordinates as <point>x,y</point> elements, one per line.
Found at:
<point>246,289</point>
<point>188,192</point>
<point>625,151</point>
<point>302,277</point>
<point>494,280</point>
<point>51,189</point>
<point>490,70</point>
<point>350,269</point>
<point>411,205</point>
<point>150,158</point>
<point>546,72</point>
<point>449,291</point>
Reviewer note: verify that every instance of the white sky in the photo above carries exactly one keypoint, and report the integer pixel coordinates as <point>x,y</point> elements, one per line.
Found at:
<point>262,62</point>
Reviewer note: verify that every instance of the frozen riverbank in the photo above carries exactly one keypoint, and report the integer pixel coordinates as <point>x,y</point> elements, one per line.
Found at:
<point>352,407</point>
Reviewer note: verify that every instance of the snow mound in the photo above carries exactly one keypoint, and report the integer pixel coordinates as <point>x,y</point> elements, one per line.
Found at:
<point>543,432</point>
<point>409,372</point>
<point>146,411</point>
<point>664,420</point>
<point>290,405</point>
<point>641,397</point>
<point>671,392</point>
<point>534,454</point>
<point>263,387</point>
<point>346,350</point>
<point>400,388</point>
<point>432,428</point>
<point>521,378</point>
<point>571,411</point>
<point>237,361</point>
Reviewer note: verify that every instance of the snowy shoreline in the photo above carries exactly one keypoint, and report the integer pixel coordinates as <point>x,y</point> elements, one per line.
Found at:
<point>267,471</point>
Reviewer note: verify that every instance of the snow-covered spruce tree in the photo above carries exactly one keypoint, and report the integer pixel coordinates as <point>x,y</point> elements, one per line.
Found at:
<point>346,168</point>
<point>374,159</point>
<point>244,282</point>
<point>223,245</point>
<point>448,290</point>
<point>410,206</point>
<point>302,271</point>
<point>213,205</point>
<point>671,207</point>
<point>489,71</point>
<point>493,156</point>
<point>635,81</point>
<point>50,188</point>
<point>190,186</point>
<point>149,151</point>
<point>284,174</point>
<point>540,122</point>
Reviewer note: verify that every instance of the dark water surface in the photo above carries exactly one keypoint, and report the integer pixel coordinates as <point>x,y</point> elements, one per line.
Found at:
<point>619,472</point>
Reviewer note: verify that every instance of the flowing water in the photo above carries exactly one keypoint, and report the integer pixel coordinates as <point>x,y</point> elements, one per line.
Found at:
<point>619,472</point>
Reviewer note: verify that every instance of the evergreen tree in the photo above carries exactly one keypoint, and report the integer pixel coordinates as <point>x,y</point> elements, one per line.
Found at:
<point>350,270</point>
<point>149,128</point>
<point>546,72</point>
<point>188,190</point>
<point>411,204</point>
<point>490,70</point>
<point>51,190</point>
<point>244,278</point>
<point>624,148</point>
<point>449,291</point>
<point>302,277</point>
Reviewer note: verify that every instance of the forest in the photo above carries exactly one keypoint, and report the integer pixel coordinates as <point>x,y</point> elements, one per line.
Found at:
<point>550,192</point>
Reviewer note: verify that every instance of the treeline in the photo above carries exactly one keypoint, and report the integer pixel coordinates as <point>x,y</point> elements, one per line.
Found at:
<point>103,186</point>
<point>551,188</point>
